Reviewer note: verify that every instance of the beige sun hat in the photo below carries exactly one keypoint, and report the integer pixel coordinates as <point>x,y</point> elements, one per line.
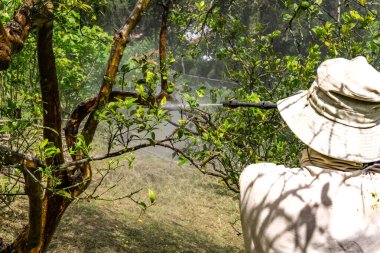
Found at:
<point>339,116</point>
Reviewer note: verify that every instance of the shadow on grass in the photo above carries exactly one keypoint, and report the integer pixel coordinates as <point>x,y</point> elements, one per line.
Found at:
<point>218,188</point>
<point>86,229</point>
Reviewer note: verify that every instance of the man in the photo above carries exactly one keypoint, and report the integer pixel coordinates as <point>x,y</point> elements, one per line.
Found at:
<point>329,204</point>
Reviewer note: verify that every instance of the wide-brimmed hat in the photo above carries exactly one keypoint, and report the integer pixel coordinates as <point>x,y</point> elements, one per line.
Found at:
<point>339,116</point>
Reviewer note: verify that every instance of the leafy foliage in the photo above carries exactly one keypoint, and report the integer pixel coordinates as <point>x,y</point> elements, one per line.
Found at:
<point>268,64</point>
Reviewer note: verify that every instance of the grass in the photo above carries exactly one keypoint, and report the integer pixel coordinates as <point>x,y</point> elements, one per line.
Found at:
<point>192,213</point>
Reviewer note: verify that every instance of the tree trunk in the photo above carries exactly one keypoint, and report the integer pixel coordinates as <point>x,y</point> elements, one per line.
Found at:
<point>45,214</point>
<point>54,208</point>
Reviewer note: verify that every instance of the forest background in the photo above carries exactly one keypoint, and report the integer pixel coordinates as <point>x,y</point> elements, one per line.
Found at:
<point>56,55</point>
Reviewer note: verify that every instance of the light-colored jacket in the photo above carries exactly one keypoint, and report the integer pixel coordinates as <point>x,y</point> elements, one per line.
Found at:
<point>309,210</point>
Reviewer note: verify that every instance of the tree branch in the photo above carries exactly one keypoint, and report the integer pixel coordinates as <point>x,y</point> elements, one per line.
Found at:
<point>34,190</point>
<point>162,46</point>
<point>120,42</point>
<point>200,167</point>
<point>105,156</point>
<point>85,108</point>
<point>16,31</point>
<point>10,157</point>
<point>49,88</point>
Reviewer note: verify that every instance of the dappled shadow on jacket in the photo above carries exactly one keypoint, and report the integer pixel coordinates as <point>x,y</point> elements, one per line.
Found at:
<point>291,210</point>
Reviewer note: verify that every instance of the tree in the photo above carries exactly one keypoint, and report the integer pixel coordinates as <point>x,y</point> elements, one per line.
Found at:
<point>42,163</point>
<point>48,200</point>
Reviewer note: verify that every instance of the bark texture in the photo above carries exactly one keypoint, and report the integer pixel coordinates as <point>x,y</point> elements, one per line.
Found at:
<point>15,32</point>
<point>162,47</point>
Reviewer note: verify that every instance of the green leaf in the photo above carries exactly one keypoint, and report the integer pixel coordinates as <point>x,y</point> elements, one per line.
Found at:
<point>200,93</point>
<point>200,5</point>
<point>125,68</point>
<point>152,196</point>
<point>64,194</point>
<point>180,133</point>
<point>140,89</point>
<point>143,205</point>
<point>182,160</point>
<point>356,15</point>
<point>287,16</point>
<point>129,103</point>
<point>51,151</point>
<point>163,101</point>
<point>149,76</point>
<point>85,7</point>
<point>44,143</point>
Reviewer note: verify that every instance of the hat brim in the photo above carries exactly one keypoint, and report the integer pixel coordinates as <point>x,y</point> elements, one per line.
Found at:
<point>326,136</point>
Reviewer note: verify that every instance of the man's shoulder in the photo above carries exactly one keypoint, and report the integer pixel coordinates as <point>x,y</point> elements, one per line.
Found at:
<point>266,166</point>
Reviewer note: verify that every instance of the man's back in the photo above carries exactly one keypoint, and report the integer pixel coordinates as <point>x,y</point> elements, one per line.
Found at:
<point>309,210</point>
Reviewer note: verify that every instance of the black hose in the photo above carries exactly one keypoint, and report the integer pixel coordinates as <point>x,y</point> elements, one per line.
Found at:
<point>262,105</point>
